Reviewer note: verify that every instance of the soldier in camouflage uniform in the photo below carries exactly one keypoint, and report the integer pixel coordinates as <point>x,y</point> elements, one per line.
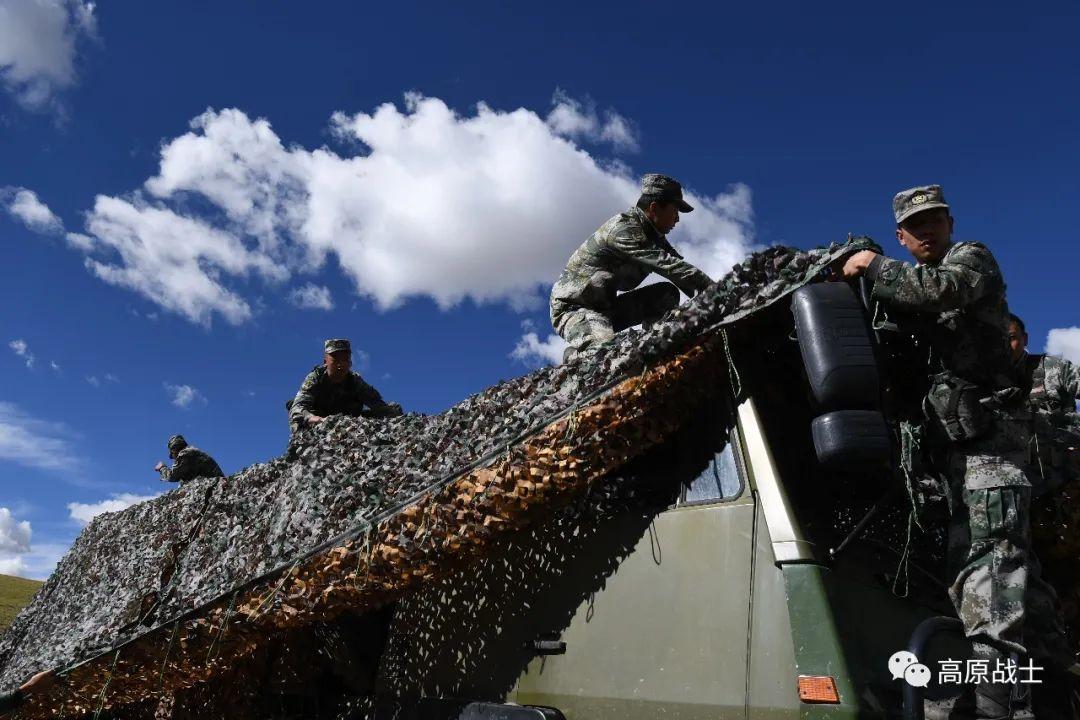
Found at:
<point>586,304</point>
<point>955,295</point>
<point>1055,388</point>
<point>189,462</point>
<point>334,389</point>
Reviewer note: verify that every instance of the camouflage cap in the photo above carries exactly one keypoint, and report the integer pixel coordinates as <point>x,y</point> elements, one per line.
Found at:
<point>336,345</point>
<point>177,443</point>
<point>916,199</point>
<point>666,188</point>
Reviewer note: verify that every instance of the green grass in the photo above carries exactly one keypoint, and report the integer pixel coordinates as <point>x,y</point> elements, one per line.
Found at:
<point>15,593</point>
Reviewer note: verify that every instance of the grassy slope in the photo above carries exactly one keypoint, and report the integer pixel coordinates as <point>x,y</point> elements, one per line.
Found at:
<point>15,593</point>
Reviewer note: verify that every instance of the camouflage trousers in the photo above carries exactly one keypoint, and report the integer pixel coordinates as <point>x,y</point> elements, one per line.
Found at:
<point>998,591</point>
<point>583,327</point>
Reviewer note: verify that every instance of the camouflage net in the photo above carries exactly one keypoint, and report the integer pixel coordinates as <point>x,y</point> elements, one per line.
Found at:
<point>171,592</point>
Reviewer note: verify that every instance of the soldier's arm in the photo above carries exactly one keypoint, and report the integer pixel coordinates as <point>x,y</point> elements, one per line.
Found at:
<point>637,248</point>
<point>304,401</point>
<point>184,468</point>
<point>1069,380</point>
<point>166,474</point>
<point>372,399</point>
<point>970,274</point>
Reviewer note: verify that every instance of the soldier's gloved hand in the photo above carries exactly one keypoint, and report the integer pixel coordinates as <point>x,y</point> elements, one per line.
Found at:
<point>856,265</point>
<point>159,467</point>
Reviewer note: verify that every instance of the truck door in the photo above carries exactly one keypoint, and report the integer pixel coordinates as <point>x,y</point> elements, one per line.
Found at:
<point>667,635</point>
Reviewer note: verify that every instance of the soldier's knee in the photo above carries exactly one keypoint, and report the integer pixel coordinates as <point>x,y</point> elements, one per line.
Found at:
<point>667,296</point>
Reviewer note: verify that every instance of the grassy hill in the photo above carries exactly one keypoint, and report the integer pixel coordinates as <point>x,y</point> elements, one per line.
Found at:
<point>15,593</point>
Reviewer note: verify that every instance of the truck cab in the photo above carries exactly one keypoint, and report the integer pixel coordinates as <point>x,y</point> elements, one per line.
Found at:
<point>737,571</point>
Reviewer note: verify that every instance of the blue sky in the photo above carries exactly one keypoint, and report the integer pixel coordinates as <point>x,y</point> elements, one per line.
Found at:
<point>194,195</point>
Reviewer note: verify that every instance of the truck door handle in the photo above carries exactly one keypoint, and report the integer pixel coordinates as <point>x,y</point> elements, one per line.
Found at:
<point>548,647</point>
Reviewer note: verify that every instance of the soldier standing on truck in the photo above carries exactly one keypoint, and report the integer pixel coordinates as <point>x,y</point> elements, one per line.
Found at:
<point>586,304</point>
<point>955,294</point>
<point>189,462</point>
<point>334,389</point>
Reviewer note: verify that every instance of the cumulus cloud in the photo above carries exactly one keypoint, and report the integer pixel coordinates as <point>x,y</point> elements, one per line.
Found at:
<point>533,351</point>
<point>1064,342</point>
<point>20,348</point>
<point>25,206</point>
<point>14,543</point>
<point>38,44</point>
<point>93,380</point>
<point>572,118</point>
<point>184,395</point>
<point>484,206</point>
<point>85,512</point>
<point>31,442</point>
<point>173,260</point>
<point>312,297</point>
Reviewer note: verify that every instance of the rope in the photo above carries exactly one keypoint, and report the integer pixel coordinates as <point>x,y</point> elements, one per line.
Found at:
<point>907,447</point>
<point>108,679</point>
<point>224,623</point>
<point>733,370</point>
<point>165,660</point>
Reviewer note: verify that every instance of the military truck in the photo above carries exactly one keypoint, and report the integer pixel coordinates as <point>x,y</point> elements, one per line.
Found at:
<point>776,581</point>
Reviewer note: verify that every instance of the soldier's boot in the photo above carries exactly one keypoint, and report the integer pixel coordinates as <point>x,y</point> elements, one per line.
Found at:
<point>994,701</point>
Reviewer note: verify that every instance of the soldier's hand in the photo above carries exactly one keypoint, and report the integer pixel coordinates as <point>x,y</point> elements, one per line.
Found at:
<point>856,265</point>
<point>39,682</point>
<point>159,467</point>
<point>315,419</point>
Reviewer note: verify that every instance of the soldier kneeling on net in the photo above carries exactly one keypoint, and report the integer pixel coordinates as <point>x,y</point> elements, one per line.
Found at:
<point>334,389</point>
<point>594,298</point>
<point>188,463</point>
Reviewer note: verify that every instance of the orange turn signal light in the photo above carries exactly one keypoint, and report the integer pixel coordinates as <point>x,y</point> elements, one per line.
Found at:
<point>818,689</point>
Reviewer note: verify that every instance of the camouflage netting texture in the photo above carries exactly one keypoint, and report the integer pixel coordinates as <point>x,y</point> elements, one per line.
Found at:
<point>138,569</point>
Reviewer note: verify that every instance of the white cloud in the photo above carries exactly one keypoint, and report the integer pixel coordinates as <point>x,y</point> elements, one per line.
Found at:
<point>31,442</point>
<point>111,378</point>
<point>572,118</point>
<point>79,241</point>
<point>486,207</point>
<point>173,260</point>
<point>38,42</point>
<point>1064,342</point>
<point>93,380</point>
<point>54,366</point>
<point>535,352</point>
<point>312,297</point>
<point>85,512</point>
<point>184,395</point>
<point>14,543</point>
<point>20,348</point>
<point>39,563</point>
<point>25,206</point>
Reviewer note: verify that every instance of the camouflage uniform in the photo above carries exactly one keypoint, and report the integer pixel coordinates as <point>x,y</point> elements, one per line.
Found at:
<point>11,701</point>
<point>318,395</point>
<point>191,463</point>
<point>964,318</point>
<point>586,306</point>
<point>1055,387</point>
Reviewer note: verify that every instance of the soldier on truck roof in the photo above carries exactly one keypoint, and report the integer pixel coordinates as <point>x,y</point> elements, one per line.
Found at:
<point>334,389</point>
<point>594,298</point>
